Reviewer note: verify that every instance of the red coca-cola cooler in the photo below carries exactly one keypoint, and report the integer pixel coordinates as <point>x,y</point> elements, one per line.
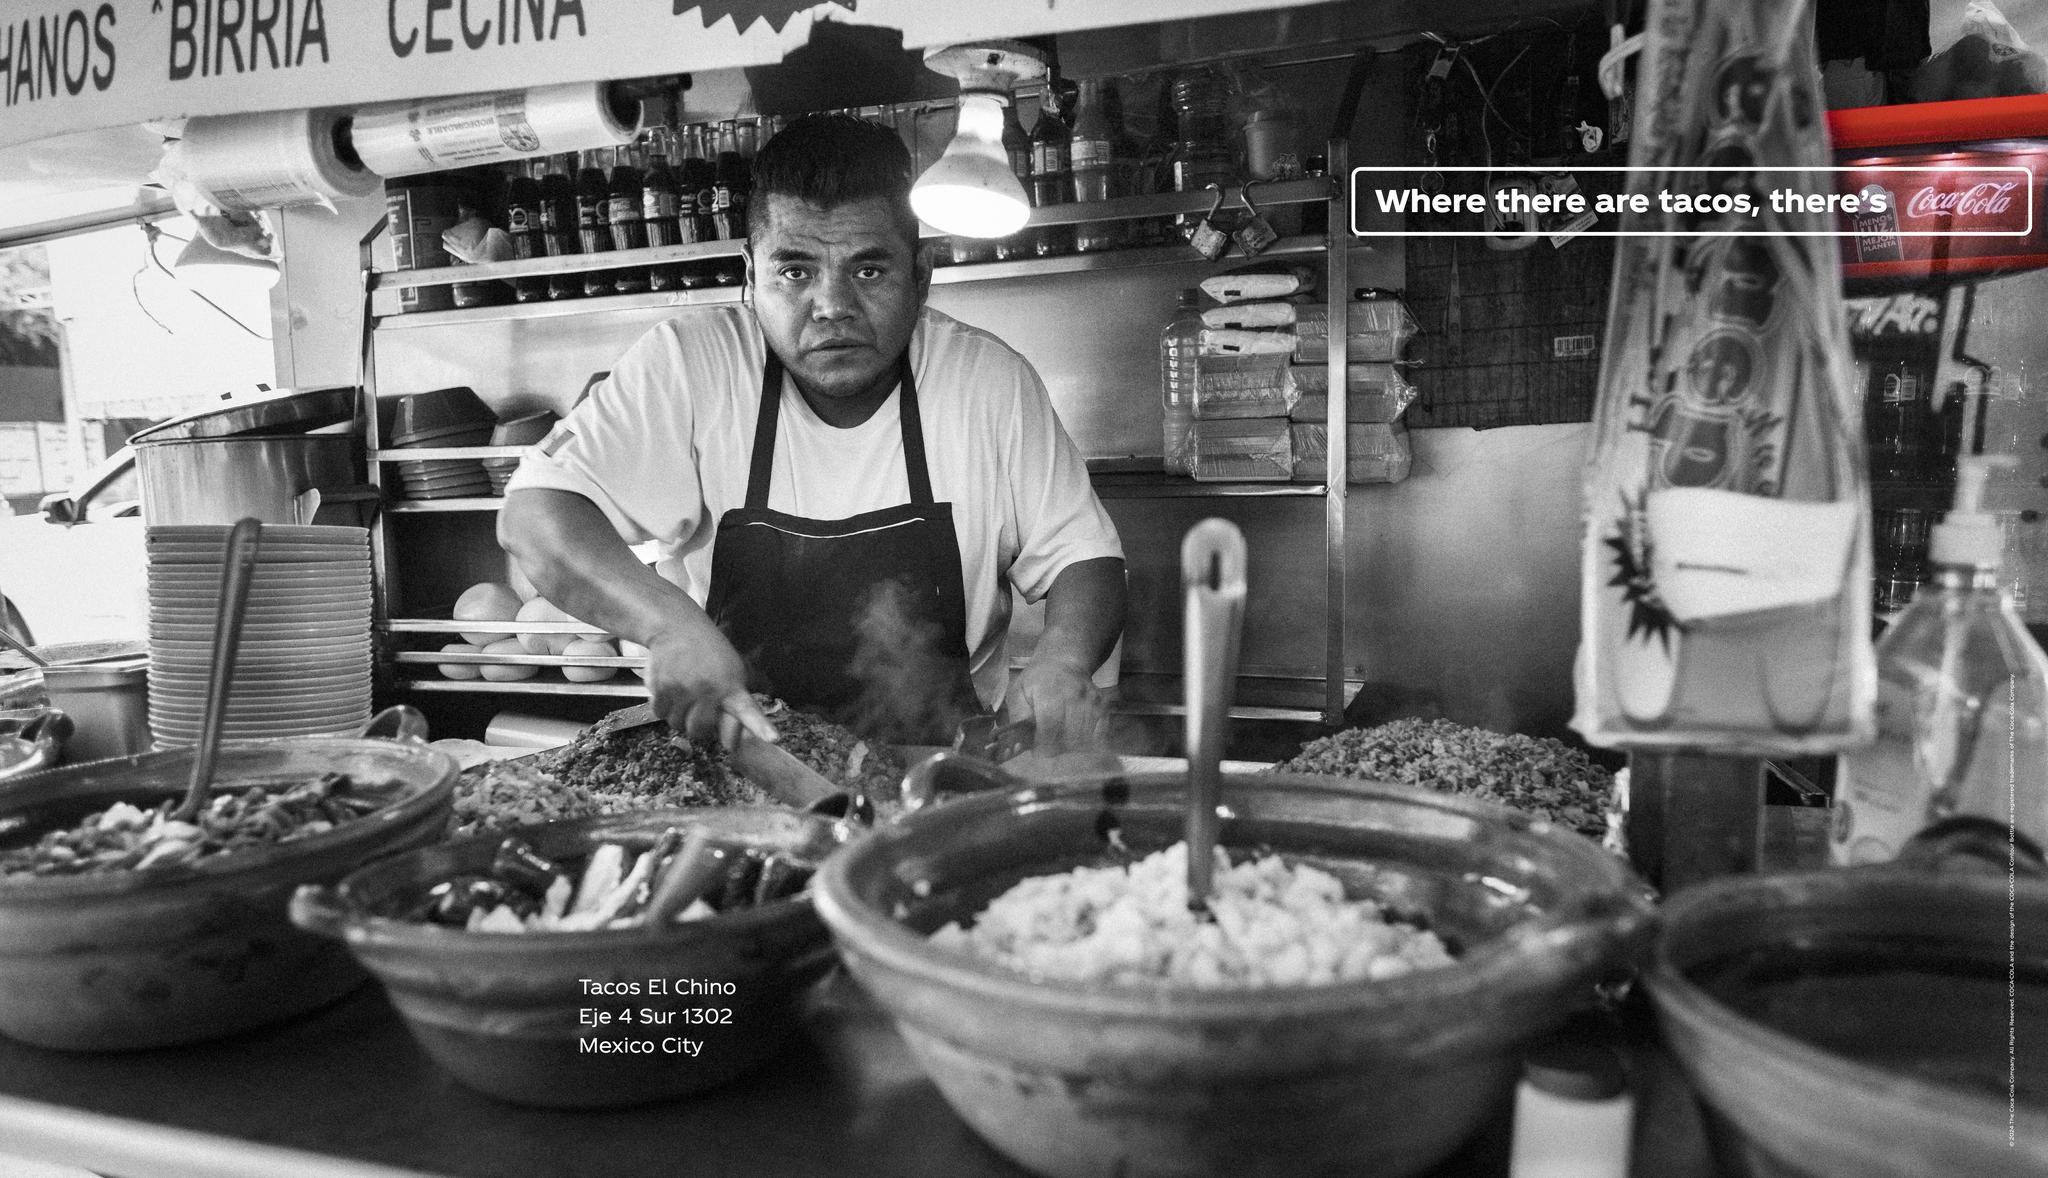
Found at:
<point>1948,310</point>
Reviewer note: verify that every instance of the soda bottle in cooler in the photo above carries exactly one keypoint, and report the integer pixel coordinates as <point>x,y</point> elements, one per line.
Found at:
<point>661,206</point>
<point>523,223</point>
<point>623,210</point>
<point>593,216</point>
<point>558,221</point>
<point>695,177</point>
<point>731,186</point>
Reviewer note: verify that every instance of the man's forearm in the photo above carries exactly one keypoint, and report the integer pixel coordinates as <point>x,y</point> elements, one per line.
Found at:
<point>1084,614</point>
<point>569,550</point>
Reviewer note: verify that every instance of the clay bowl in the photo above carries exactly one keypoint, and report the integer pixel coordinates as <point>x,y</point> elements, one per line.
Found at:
<point>503,1011</point>
<point>1854,1023</point>
<point>183,954</point>
<point>1383,1078</point>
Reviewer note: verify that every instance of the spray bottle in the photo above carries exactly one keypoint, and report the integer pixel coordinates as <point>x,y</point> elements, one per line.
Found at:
<point>1962,706</point>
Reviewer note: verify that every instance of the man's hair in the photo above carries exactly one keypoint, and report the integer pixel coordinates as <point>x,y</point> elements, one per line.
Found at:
<point>835,159</point>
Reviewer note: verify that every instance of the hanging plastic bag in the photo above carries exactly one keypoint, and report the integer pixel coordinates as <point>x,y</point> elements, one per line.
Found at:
<point>1725,564</point>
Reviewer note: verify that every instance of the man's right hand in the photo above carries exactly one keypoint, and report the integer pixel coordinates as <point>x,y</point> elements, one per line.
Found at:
<point>698,683</point>
<point>695,679</point>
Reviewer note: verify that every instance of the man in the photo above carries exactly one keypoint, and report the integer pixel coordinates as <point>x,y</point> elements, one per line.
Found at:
<point>842,481</point>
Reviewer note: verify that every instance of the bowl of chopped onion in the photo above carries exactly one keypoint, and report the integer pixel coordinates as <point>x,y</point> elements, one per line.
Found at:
<point>1349,1002</point>
<point>123,928</point>
<point>594,962</point>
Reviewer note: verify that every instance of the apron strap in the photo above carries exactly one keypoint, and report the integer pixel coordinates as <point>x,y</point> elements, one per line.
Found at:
<point>913,435</point>
<point>761,467</point>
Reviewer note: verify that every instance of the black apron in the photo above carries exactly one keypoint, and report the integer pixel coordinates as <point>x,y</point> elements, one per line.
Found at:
<point>863,619</point>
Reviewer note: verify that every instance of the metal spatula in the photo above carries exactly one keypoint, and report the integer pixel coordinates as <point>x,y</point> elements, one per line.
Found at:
<point>1212,570</point>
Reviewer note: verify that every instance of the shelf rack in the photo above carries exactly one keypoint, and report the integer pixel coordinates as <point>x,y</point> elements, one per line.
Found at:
<point>380,307</point>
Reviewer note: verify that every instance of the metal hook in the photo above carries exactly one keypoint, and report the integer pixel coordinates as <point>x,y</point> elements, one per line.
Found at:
<point>1216,205</point>
<point>1244,195</point>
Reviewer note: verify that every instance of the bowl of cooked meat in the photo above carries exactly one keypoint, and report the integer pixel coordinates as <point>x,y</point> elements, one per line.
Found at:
<point>123,927</point>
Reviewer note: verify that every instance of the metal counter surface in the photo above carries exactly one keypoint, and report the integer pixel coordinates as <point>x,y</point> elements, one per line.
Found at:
<point>346,1094</point>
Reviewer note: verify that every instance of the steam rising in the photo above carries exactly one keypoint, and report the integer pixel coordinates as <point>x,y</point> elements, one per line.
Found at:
<point>906,678</point>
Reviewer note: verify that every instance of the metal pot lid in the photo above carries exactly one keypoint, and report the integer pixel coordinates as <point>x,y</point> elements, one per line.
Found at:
<point>286,411</point>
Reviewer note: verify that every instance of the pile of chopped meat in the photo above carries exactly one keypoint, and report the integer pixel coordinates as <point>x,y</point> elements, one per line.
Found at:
<point>654,767</point>
<point>124,837</point>
<point>1541,777</point>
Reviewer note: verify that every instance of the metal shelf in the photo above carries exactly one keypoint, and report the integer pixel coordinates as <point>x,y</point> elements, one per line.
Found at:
<point>653,255</point>
<point>1164,486</point>
<point>423,506</point>
<point>447,626</point>
<point>453,658</point>
<point>633,689</point>
<point>1122,209</point>
<point>703,296</point>
<point>446,453</point>
<point>1124,259</point>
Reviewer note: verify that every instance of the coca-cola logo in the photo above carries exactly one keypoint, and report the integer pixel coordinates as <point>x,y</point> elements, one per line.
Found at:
<point>1914,315</point>
<point>1988,199</point>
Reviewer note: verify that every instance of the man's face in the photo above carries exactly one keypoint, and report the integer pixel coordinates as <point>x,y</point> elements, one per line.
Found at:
<point>836,290</point>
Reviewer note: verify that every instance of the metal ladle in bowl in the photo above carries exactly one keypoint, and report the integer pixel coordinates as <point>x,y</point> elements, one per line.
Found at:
<point>1212,571</point>
<point>238,570</point>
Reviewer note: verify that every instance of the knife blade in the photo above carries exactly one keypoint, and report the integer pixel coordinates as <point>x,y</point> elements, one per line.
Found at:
<point>992,740</point>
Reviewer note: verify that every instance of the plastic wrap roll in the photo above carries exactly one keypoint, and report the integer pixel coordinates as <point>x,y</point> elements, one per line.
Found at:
<point>435,134</point>
<point>270,159</point>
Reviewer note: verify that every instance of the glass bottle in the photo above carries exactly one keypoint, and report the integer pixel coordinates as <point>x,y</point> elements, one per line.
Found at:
<point>558,221</point>
<point>629,228</point>
<point>1962,703</point>
<point>694,199</point>
<point>1089,157</point>
<point>1901,558</point>
<point>730,190</point>
<point>1127,164</point>
<point>1896,421</point>
<point>523,223</point>
<point>593,216</point>
<point>1016,145</point>
<point>661,206</point>
<point>1179,348</point>
<point>1050,182</point>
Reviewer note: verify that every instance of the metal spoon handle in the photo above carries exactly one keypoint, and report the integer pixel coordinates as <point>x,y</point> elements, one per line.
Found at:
<point>239,569</point>
<point>27,652</point>
<point>1212,567</point>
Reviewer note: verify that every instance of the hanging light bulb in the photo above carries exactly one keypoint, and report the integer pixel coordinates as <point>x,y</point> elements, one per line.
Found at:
<point>970,191</point>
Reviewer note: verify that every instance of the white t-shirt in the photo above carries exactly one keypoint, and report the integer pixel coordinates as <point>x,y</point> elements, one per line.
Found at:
<point>663,448</point>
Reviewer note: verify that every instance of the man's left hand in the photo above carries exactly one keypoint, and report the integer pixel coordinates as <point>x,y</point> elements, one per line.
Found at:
<point>1061,699</point>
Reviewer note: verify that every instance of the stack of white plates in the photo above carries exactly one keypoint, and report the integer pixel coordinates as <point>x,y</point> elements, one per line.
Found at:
<point>304,663</point>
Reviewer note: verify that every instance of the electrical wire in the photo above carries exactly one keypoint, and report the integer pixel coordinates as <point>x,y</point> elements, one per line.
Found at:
<point>135,290</point>
<point>152,233</point>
